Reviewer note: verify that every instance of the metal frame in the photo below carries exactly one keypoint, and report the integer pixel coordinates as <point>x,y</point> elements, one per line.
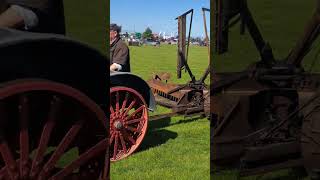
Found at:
<point>253,109</point>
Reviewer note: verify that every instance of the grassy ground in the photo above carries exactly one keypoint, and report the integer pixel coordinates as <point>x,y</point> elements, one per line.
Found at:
<point>173,148</point>
<point>87,22</point>
<point>281,24</point>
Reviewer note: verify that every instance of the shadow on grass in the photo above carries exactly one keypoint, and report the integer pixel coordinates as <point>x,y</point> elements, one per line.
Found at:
<point>165,122</point>
<point>234,176</point>
<point>287,177</point>
<point>285,174</point>
<point>187,120</point>
<point>156,135</point>
<point>295,173</point>
<point>281,177</point>
<point>156,138</point>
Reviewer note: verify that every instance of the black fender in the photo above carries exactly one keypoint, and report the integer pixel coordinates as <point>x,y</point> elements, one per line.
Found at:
<point>56,58</point>
<point>135,82</point>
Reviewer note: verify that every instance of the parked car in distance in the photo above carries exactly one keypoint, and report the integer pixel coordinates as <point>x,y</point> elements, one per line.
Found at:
<point>151,43</point>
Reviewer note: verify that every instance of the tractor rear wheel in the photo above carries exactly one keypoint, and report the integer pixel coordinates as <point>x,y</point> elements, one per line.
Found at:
<point>128,121</point>
<point>51,131</point>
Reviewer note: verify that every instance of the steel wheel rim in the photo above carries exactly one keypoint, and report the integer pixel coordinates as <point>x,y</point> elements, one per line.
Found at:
<point>42,165</point>
<point>127,130</point>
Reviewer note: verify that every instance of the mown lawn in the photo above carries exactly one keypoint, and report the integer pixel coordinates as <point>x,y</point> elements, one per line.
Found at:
<point>175,148</point>
<point>281,24</point>
<point>87,22</point>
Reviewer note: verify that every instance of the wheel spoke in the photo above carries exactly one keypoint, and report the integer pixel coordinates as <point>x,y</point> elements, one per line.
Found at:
<point>129,108</point>
<point>124,103</point>
<point>136,111</point>
<point>3,173</point>
<point>115,147</point>
<point>117,102</point>
<point>132,129</point>
<point>111,110</point>
<point>133,121</point>
<point>82,159</point>
<point>24,136</point>
<point>64,144</point>
<point>7,156</point>
<point>123,144</point>
<point>112,137</point>
<point>127,136</point>
<point>45,136</point>
<point>9,161</point>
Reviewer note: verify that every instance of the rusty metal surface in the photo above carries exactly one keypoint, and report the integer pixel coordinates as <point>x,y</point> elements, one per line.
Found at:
<point>253,115</point>
<point>265,117</point>
<point>181,99</point>
<point>162,89</point>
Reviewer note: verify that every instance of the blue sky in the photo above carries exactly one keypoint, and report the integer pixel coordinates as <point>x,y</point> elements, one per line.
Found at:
<point>159,15</point>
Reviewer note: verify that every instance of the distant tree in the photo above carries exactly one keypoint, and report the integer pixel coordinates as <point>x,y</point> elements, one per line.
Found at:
<point>198,39</point>
<point>147,34</point>
<point>138,35</point>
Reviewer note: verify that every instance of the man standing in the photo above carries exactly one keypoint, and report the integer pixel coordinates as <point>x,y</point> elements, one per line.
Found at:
<point>46,16</point>
<point>119,51</point>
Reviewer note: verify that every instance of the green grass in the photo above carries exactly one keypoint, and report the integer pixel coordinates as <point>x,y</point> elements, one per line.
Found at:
<point>175,148</point>
<point>281,24</point>
<point>147,60</point>
<point>87,22</point>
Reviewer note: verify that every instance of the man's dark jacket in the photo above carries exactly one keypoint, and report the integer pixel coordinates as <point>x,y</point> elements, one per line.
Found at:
<point>49,12</point>
<point>119,53</point>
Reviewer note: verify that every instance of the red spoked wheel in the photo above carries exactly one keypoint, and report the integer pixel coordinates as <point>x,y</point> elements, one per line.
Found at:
<point>128,121</point>
<point>51,131</point>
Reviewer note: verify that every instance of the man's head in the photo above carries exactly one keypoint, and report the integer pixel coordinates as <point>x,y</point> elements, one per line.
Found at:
<point>114,31</point>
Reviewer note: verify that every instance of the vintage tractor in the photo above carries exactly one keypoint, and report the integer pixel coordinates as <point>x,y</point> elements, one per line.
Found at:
<point>130,100</point>
<point>188,99</point>
<point>266,117</point>
<point>53,102</point>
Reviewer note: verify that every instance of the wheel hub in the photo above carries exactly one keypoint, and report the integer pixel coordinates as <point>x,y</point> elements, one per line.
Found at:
<point>118,125</point>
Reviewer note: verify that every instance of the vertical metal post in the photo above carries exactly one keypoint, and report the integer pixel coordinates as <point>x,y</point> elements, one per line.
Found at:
<point>207,72</point>
<point>181,44</point>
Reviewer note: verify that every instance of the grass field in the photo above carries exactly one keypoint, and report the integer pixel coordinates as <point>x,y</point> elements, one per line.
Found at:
<point>173,148</point>
<point>87,22</point>
<point>281,24</point>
